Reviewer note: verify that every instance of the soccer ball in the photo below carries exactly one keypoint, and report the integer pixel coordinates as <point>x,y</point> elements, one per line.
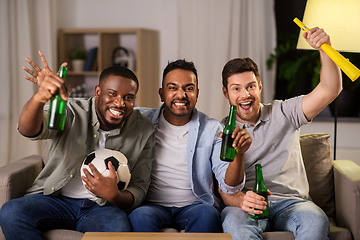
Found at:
<point>100,159</point>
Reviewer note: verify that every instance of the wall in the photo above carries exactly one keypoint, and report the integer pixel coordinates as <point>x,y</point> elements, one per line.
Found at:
<point>160,15</point>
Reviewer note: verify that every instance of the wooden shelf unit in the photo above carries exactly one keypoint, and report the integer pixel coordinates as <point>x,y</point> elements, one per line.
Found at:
<point>107,39</point>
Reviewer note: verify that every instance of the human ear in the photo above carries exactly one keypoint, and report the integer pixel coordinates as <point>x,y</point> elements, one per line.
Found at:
<point>161,94</point>
<point>260,86</point>
<point>97,91</point>
<point>225,92</point>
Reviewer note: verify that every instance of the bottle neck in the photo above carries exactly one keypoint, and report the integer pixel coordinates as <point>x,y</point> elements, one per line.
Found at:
<point>232,116</point>
<point>62,73</point>
<point>259,175</point>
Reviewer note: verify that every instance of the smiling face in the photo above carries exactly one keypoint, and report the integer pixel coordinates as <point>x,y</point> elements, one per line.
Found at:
<point>243,90</point>
<point>179,94</point>
<point>114,101</point>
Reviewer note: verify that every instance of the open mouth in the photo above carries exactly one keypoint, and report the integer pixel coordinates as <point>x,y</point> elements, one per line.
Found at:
<point>116,113</point>
<point>180,104</point>
<point>245,105</point>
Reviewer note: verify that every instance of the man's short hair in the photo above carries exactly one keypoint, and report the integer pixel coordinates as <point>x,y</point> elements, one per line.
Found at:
<point>239,65</point>
<point>180,64</point>
<point>118,70</point>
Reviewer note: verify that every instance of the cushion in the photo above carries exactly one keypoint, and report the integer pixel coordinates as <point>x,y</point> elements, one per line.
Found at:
<point>316,152</point>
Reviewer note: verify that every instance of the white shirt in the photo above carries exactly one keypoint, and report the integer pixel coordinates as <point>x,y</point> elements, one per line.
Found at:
<point>170,184</point>
<point>75,188</point>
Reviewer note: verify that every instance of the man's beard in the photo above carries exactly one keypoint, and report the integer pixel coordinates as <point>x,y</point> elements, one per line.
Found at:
<point>107,124</point>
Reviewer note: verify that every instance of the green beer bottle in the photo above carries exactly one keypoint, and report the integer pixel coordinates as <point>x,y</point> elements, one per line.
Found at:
<point>57,111</point>
<point>227,151</point>
<point>260,189</point>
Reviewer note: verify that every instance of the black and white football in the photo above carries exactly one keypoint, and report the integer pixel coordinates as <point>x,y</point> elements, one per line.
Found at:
<point>100,159</point>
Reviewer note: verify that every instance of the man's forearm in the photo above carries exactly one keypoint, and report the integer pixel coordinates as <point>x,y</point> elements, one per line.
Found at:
<point>235,172</point>
<point>330,75</point>
<point>232,200</point>
<point>31,117</point>
<point>124,200</point>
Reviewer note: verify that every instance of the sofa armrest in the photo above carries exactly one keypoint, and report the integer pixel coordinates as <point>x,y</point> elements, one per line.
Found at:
<point>17,177</point>
<point>347,195</point>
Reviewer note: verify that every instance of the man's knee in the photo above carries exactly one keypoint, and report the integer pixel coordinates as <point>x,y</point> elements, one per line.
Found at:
<point>206,211</point>
<point>234,214</point>
<point>11,210</point>
<point>143,212</point>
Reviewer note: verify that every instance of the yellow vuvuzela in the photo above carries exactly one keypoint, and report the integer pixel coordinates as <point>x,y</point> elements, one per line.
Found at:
<point>348,68</point>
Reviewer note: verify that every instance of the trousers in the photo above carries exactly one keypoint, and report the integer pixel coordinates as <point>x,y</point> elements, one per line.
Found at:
<point>301,217</point>
<point>27,217</point>
<point>152,217</point>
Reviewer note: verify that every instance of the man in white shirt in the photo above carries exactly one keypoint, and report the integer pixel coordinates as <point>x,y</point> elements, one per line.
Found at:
<point>182,193</point>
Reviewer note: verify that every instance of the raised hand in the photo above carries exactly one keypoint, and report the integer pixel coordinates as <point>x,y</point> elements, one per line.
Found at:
<point>316,37</point>
<point>37,69</point>
<point>50,85</point>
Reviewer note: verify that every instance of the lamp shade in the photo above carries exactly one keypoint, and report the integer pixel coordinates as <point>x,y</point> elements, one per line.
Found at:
<point>339,18</point>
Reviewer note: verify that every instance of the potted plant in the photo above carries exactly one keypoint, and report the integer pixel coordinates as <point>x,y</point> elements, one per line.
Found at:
<point>78,58</point>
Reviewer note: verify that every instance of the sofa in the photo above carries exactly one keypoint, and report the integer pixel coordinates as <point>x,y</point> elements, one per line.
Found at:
<point>334,186</point>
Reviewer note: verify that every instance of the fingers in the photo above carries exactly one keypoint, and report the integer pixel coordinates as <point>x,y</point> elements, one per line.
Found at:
<point>112,173</point>
<point>90,178</point>
<point>34,80</point>
<point>253,203</point>
<point>31,72</point>
<point>64,64</point>
<point>62,86</point>
<point>43,60</point>
<point>64,91</point>
<point>96,174</point>
<point>53,83</point>
<point>33,65</point>
<point>37,69</point>
<point>316,37</point>
<point>242,139</point>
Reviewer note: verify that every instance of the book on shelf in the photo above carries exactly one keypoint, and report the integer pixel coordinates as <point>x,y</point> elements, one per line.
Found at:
<point>95,65</point>
<point>89,65</point>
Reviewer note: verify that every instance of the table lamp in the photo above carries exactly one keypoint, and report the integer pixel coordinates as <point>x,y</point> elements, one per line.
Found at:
<point>341,21</point>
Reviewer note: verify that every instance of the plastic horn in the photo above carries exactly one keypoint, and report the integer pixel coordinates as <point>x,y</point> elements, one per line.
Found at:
<point>348,68</point>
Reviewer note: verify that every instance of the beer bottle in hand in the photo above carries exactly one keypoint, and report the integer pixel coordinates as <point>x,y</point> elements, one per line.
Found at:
<point>260,189</point>
<point>227,151</point>
<point>57,111</point>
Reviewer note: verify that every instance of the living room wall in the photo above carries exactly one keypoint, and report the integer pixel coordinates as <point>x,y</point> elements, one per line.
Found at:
<point>161,15</point>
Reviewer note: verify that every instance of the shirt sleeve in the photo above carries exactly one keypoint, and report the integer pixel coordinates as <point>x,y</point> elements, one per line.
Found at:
<point>220,167</point>
<point>141,173</point>
<point>232,190</point>
<point>292,109</point>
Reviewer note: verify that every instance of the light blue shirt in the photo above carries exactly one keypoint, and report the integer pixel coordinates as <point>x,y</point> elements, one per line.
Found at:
<point>203,156</point>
